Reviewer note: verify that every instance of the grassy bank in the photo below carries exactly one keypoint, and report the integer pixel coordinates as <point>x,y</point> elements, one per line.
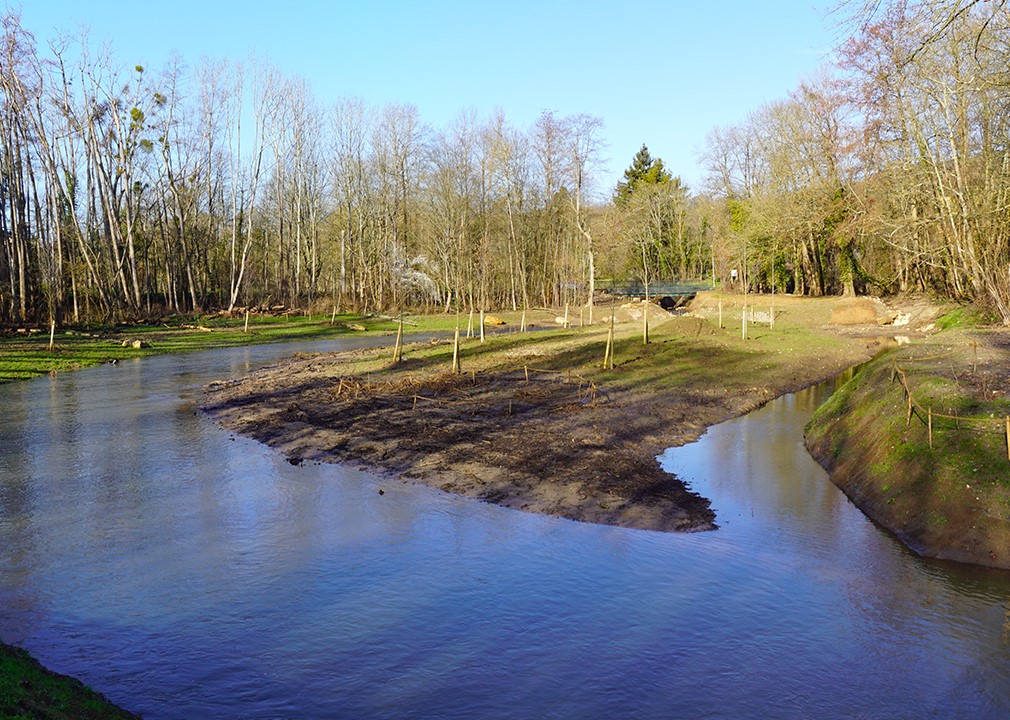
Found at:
<point>918,440</point>
<point>29,691</point>
<point>690,352</point>
<point>25,352</point>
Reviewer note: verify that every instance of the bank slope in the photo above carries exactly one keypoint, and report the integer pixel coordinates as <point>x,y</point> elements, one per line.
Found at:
<point>29,690</point>
<point>948,497</point>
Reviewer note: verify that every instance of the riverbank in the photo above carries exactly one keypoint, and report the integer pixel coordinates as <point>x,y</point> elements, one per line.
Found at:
<point>534,421</point>
<point>918,441</point>
<point>29,690</point>
<point>25,352</point>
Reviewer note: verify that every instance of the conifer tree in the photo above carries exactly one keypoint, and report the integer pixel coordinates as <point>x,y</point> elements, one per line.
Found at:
<point>644,170</point>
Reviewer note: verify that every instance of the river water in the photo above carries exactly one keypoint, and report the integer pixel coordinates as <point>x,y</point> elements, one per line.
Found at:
<point>188,573</point>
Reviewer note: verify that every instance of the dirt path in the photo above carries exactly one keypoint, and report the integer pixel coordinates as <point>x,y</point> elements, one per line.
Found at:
<point>540,441</point>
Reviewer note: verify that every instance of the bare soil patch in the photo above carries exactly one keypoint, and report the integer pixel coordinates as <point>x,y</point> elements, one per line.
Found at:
<point>533,423</point>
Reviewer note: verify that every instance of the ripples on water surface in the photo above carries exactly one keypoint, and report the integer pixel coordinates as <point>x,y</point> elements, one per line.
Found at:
<point>188,573</point>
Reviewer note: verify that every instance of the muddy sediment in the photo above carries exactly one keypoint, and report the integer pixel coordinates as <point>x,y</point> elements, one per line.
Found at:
<point>541,445</point>
<point>545,442</point>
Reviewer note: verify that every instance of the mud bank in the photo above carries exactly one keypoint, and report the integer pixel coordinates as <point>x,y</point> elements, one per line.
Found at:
<point>532,423</point>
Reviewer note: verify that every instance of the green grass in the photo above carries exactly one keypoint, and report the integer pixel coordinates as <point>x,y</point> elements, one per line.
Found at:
<point>28,691</point>
<point>964,316</point>
<point>24,356</point>
<point>937,495</point>
<point>683,353</point>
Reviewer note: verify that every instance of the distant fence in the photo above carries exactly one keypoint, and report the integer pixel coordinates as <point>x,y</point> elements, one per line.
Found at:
<point>930,419</point>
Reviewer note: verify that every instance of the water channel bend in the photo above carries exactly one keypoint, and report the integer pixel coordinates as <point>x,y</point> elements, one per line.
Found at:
<point>189,573</point>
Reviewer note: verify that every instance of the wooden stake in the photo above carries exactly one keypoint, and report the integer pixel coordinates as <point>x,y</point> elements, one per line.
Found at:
<point>482,324</point>
<point>246,329</point>
<point>743,323</point>
<point>522,323</point>
<point>608,355</point>
<point>526,369</point>
<point>929,424</point>
<point>52,334</point>
<point>908,414</point>
<point>333,317</point>
<point>720,313</point>
<point>645,323</point>
<point>469,324</point>
<point>582,312</point>
<point>455,352</point>
<point>398,350</point>
<point>613,318</point>
<point>566,316</point>
<point>771,320</point>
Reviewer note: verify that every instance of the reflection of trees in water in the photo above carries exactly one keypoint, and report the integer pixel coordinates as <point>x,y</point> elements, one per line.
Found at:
<point>770,495</point>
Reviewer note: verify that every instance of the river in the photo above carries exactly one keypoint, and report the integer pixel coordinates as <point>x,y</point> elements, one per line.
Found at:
<point>189,573</point>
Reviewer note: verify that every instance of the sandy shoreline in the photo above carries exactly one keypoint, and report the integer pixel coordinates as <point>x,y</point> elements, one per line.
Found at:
<point>541,443</point>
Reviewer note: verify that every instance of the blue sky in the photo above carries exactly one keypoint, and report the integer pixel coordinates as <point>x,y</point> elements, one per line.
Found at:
<point>659,73</point>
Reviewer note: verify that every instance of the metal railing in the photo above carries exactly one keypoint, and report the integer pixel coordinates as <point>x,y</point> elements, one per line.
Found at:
<point>662,288</point>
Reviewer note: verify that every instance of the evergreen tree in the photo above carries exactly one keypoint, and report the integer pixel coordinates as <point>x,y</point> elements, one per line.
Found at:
<point>644,170</point>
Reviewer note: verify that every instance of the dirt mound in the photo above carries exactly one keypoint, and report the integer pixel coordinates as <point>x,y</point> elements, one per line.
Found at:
<point>861,311</point>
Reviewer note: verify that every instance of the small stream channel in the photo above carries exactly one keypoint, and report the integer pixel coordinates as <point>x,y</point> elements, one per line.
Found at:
<point>189,573</point>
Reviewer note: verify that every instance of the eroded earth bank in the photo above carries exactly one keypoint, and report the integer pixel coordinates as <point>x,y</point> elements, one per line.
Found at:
<point>533,421</point>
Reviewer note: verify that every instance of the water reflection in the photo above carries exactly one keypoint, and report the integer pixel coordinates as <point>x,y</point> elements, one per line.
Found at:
<point>189,573</point>
<point>906,612</point>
